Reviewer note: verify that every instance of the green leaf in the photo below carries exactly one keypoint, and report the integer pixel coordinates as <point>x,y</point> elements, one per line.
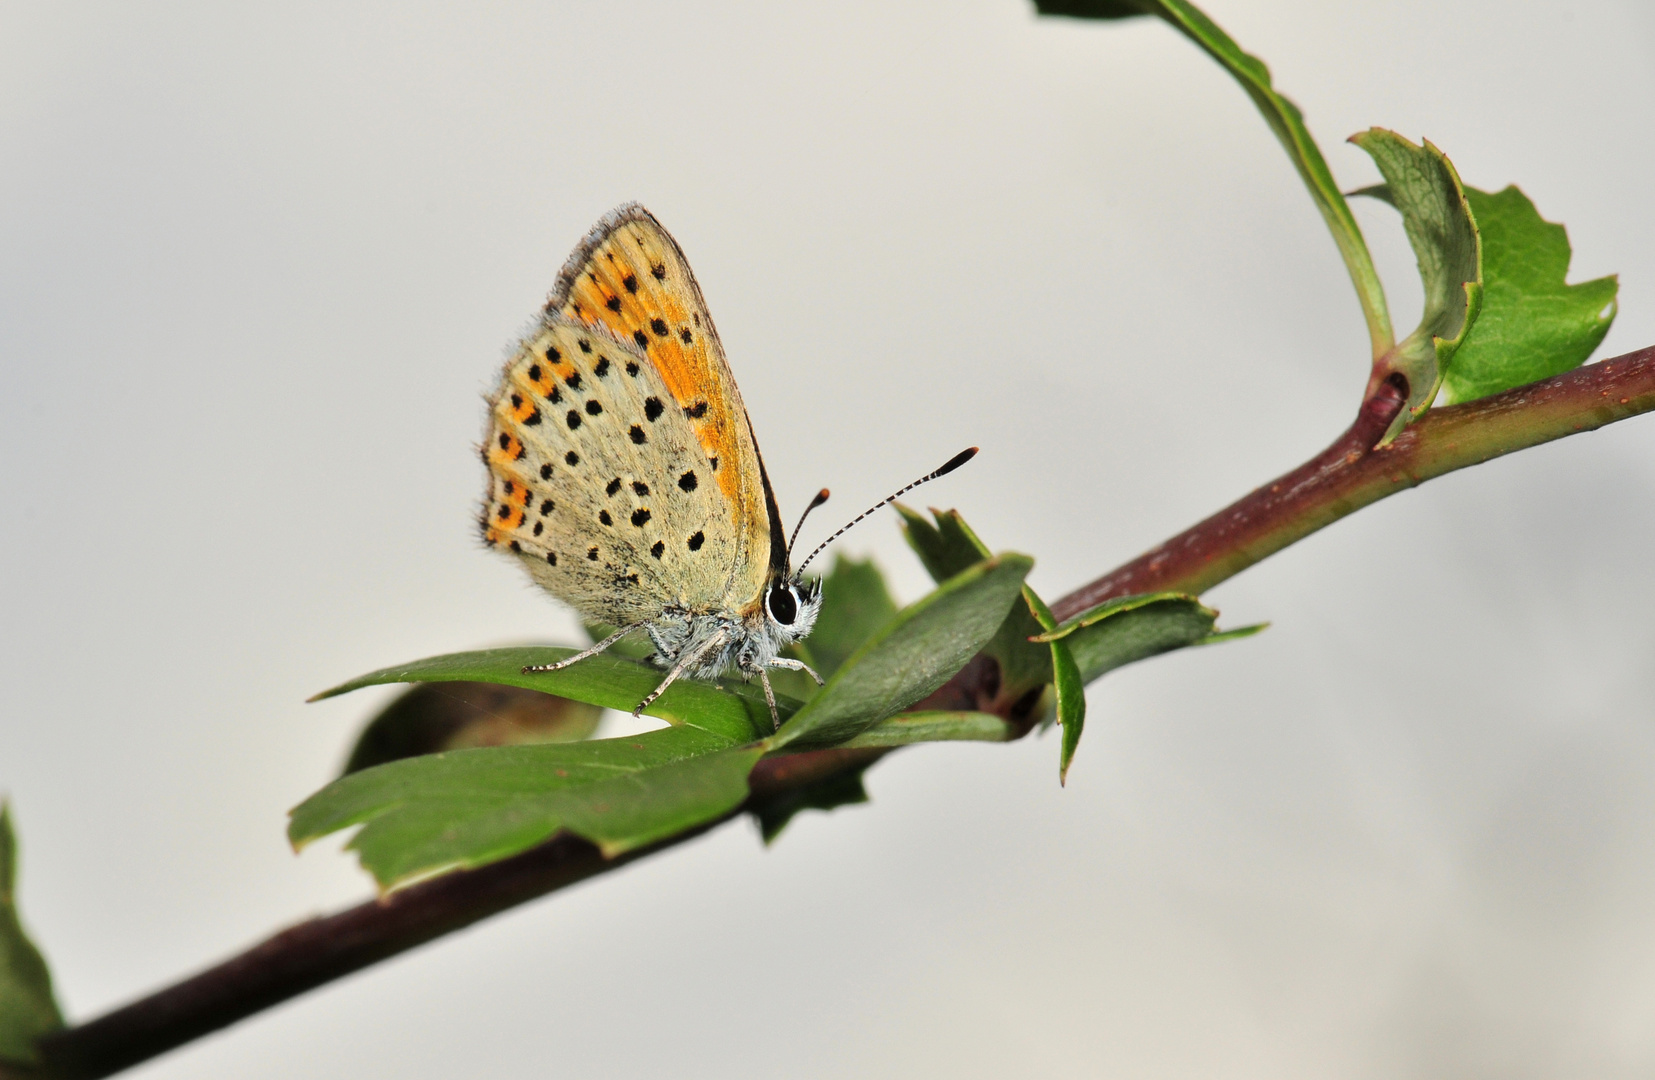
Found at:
<point>28,1008</point>
<point>855,604</point>
<point>432,717</point>
<point>1532,324</point>
<point>1234,635</point>
<point>465,808</point>
<point>1422,184</point>
<point>843,788</point>
<point>1069,687</point>
<point>947,548</point>
<point>911,656</point>
<point>905,729</point>
<point>1285,121</point>
<point>1133,628</point>
<point>733,710</point>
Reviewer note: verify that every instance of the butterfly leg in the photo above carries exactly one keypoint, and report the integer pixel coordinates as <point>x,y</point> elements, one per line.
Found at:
<point>770,697</point>
<point>797,665</point>
<point>593,651</point>
<point>684,662</point>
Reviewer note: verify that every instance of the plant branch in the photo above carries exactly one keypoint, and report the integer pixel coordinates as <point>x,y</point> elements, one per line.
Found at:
<point>1351,474</point>
<point>1347,476</point>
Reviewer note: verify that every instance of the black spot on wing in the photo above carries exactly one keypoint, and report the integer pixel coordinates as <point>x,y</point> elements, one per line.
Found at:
<point>697,538</point>
<point>603,516</point>
<point>636,434</point>
<point>593,408</point>
<point>640,516</point>
<point>641,338</point>
<point>613,486</point>
<point>613,304</point>
<point>551,557</point>
<point>659,271</point>
<point>572,419</point>
<point>592,553</point>
<point>685,336</point>
<point>546,507</point>
<point>585,346</point>
<point>658,548</point>
<point>688,481</point>
<point>653,409</point>
<point>632,369</point>
<point>631,283</point>
<point>545,472</point>
<point>601,368</point>
<point>573,381</point>
<point>659,326</point>
<point>571,459</point>
<point>639,488</point>
<point>539,527</point>
<point>696,411</point>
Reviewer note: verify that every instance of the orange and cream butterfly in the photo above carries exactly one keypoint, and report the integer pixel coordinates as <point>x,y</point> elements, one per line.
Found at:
<point>623,469</point>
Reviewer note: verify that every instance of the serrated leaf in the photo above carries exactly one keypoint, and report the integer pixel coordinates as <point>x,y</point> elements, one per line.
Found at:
<point>733,710</point>
<point>1068,687</point>
<point>950,546</point>
<point>1285,121</point>
<point>28,1009</point>
<point>904,729</point>
<point>1532,325</point>
<point>466,808</point>
<point>1425,189</point>
<point>1133,628</point>
<point>914,653</point>
<point>843,788</point>
<point>1234,635</point>
<point>855,604</point>
<point>432,717</point>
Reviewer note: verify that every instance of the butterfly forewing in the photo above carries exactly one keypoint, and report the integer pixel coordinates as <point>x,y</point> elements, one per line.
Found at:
<point>601,482</point>
<point>630,277</point>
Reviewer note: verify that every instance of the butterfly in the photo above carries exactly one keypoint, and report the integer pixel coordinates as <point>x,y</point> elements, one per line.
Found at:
<point>625,475</point>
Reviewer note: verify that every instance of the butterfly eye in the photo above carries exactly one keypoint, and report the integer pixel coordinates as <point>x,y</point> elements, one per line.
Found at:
<point>783,607</point>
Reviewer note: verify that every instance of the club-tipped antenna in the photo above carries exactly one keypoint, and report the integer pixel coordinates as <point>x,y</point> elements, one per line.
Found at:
<point>947,467</point>
<point>821,497</point>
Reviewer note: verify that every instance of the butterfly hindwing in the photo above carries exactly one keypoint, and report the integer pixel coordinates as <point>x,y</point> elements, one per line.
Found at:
<point>630,277</point>
<point>601,482</point>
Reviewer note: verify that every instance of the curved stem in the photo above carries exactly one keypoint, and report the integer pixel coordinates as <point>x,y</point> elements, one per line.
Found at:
<point>1351,474</point>
<point>1347,476</point>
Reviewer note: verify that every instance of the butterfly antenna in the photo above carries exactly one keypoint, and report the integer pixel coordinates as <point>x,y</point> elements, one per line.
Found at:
<point>821,497</point>
<point>947,467</point>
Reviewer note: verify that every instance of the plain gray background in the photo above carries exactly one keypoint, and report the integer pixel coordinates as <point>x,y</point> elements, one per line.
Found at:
<point>261,260</point>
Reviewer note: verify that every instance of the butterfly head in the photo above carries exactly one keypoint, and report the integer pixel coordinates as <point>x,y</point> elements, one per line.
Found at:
<point>791,605</point>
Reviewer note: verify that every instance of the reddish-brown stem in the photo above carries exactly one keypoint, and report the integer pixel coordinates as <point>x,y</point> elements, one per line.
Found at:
<point>1345,477</point>
<point>1351,473</point>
